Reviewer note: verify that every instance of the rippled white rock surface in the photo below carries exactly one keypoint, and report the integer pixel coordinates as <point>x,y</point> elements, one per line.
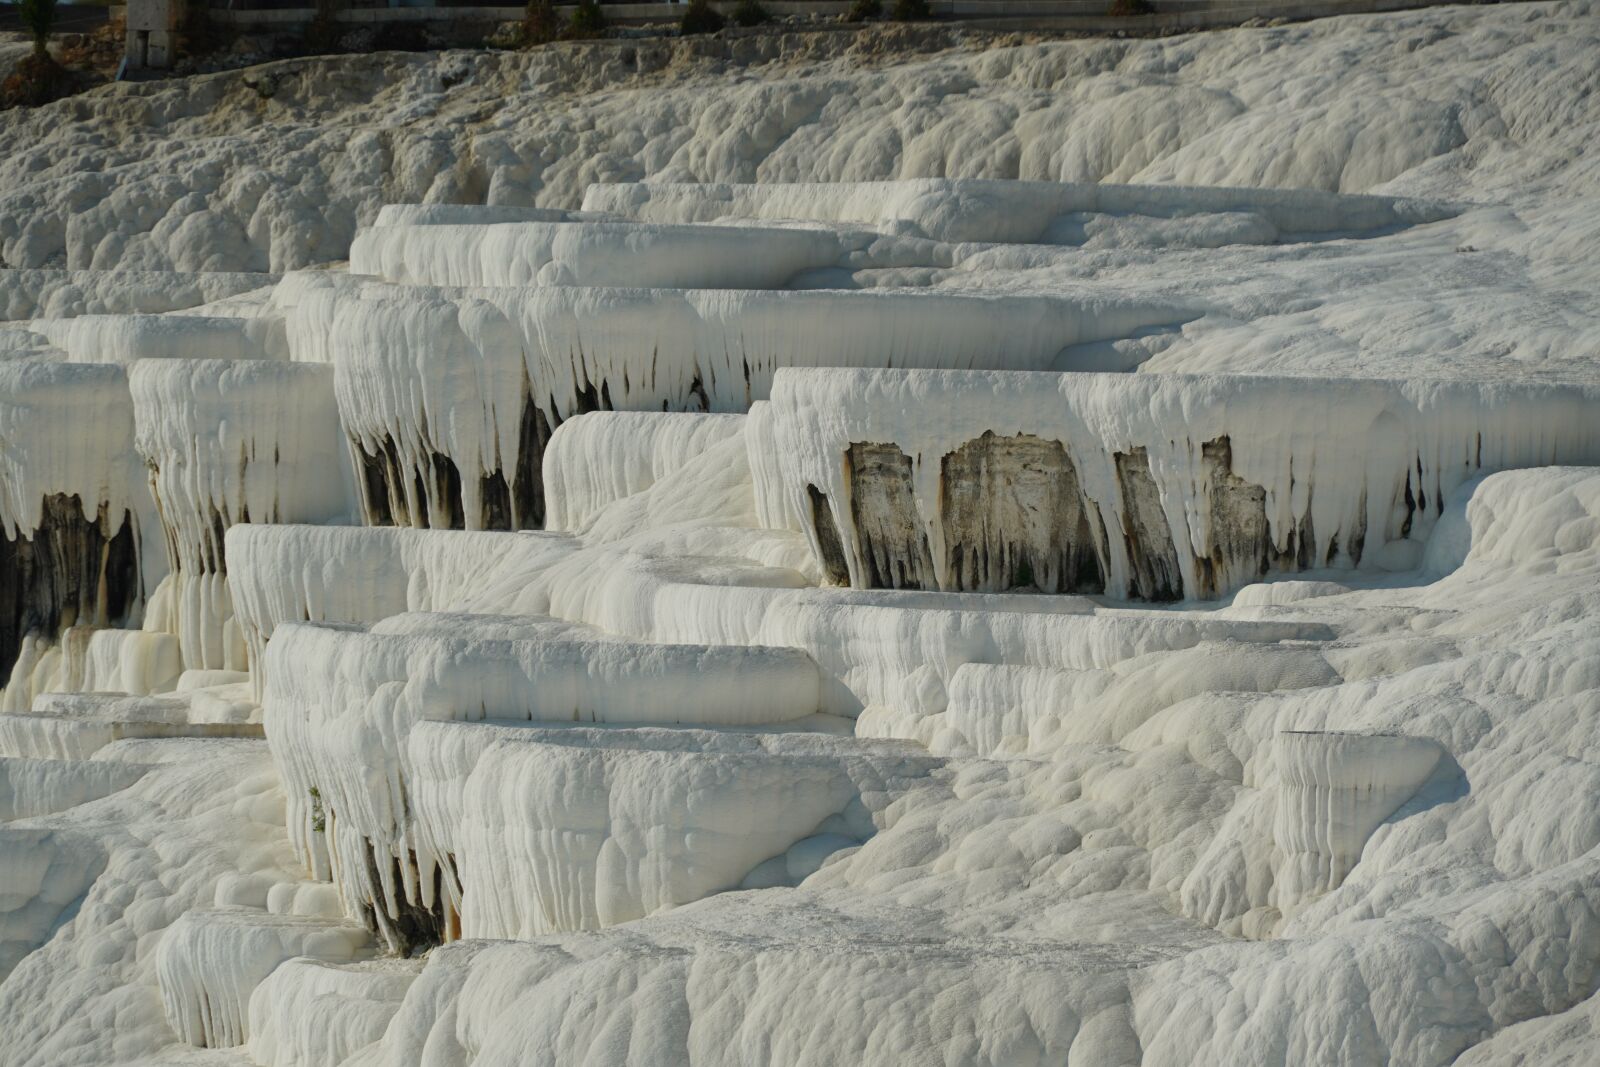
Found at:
<point>687,559</point>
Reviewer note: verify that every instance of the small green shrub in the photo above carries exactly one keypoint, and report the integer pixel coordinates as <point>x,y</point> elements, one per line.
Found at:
<point>319,818</point>
<point>540,24</point>
<point>750,13</point>
<point>701,17</point>
<point>587,20</point>
<point>37,79</point>
<point>1129,8</point>
<point>400,37</point>
<point>909,10</point>
<point>39,19</point>
<point>322,33</point>
<point>862,10</point>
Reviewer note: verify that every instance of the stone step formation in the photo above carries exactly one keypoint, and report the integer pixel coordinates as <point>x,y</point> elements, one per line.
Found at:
<point>792,623</point>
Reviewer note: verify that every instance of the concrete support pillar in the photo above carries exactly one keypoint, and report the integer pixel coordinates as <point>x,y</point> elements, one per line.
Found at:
<point>152,34</point>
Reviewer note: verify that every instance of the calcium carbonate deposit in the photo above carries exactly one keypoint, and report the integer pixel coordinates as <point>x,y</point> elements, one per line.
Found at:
<point>900,548</point>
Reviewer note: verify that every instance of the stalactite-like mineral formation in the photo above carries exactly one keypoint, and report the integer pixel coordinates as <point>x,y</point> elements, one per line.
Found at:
<point>808,616</point>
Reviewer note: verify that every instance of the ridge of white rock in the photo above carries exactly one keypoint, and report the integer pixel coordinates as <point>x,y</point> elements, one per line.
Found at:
<point>1336,788</point>
<point>340,703</point>
<point>1011,212</point>
<point>89,659</point>
<point>187,336</point>
<point>867,641</point>
<point>226,443</point>
<point>74,508</point>
<point>596,459</point>
<point>449,396</point>
<point>468,214</point>
<point>999,708</point>
<point>285,574</point>
<point>1082,482</point>
<point>30,787</point>
<point>594,253</point>
<point>556,830</point>
<point>211,962</point>
<point>43,293</point>
<point>76,726</point>
<point>312,1013</point>
<point>69,433</point>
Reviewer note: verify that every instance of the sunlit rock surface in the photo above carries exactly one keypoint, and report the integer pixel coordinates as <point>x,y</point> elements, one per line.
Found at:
<point>899,547</point>
<point>1151,487</point>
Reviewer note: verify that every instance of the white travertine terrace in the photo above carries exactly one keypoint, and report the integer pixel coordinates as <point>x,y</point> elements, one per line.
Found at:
<point>867,642</point>
<point>311,1011</point>
<point>339,702</point>
<point>43,293</point>
<point>232,442</point>
<point>1143,486</point>
<point>280,574</point>
<point>466,214</point>
<point>75,726</point>
<point>1007,212</point>
<point>692,563</point>
<point>212,961</point>
<point>449,396</point>
<point>998,708</point>
<point>615,825</point>
<point>30,787</point>
<point>130,338</point>
<point>594,253</point>
<point>74,508</point>
<point>597,459</point>
<point>85,658</point>
<point>67,431</point>
<point>1334,790</point>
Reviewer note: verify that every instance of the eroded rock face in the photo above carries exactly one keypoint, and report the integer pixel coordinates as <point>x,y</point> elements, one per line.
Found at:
<point>71,571</point>
<point>1015,518</point>
<point>1013,515</point>
<point>396,493</point>
<point>413,921</point>
<point>1202,483</point>
<point>1152,558</point>
<point>1242,546</point>
<point>425,492</point>
<point>834,565</point>
<point>226,442</point>
<point>884,510</point>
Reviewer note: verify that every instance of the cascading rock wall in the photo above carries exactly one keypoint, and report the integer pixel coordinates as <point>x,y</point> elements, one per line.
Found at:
<point>450,396</point>
<point>230,442</point>
<point>340,703</point>
<point>1155,487</point>
<point>71,498</point>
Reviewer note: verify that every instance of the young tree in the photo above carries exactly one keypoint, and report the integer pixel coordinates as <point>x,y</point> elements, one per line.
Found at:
<point>587,21</point>
<point>700,17</point>
<point>750,13</point>
<point>539,24</point>
<point>39,17</point>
